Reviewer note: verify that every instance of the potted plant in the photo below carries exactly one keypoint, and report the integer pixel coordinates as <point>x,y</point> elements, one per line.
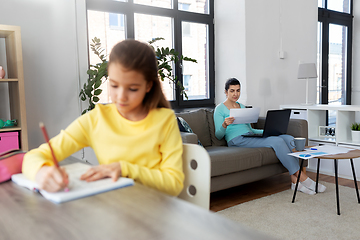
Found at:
<point>98,72</point>
<point>355,132</point>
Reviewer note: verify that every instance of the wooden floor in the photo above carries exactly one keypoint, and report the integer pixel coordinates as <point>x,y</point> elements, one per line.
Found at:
<point>231,197</point>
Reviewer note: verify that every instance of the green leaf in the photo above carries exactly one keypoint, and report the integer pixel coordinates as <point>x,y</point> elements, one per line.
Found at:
<point>96,99</point>
<point>97,92</point>
<point>97,83</point>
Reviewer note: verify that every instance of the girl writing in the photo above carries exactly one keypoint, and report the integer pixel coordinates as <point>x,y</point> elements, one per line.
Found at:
<point>135,136</point>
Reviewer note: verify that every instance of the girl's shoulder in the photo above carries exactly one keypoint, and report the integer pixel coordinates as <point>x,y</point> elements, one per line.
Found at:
<point>162,113</point>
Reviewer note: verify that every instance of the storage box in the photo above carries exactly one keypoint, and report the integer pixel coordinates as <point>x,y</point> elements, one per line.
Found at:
<point>8,141</point>
<point>298,114</point>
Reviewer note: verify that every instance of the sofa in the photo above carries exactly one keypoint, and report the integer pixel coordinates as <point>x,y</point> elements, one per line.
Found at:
<point>234,166</point>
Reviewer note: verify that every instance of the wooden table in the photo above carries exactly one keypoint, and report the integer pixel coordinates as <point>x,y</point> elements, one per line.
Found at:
<point>355,153</point>
<point>135,212</point>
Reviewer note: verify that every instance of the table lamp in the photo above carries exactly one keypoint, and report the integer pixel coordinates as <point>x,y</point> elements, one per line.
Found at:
<point>306,71</point>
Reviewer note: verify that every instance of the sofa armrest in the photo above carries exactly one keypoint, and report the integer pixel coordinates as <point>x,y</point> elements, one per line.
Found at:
<point>189,137</point>
<point>298,128</point>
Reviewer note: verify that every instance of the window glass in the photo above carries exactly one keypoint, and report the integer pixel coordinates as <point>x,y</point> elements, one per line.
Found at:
<point>321,3</point>
<point>195,75</point>
<point>339,5</point>
<point>190,21</point>
<point>148,27</point>
<point>337,68</point>
<point>116,21</point>
<point>198,6</point>
<point>109,28</point>
<point>337,64</point>
<point>155,3</point>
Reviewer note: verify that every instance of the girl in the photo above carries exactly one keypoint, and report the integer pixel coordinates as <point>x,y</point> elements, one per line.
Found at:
<point>233,135</point>
<point>135,136</point>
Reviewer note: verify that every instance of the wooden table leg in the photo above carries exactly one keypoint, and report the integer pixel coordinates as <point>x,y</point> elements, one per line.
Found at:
<point>355,181</point>
<point>297,181</point>
<point>337,187</point>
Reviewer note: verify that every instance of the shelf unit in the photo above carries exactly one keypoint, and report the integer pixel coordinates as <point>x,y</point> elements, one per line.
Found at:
<point>15,82</point>
<point>316,116</point>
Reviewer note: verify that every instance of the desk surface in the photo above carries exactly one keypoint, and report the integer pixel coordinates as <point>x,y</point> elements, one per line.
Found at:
<point>136,212</point>
<point>351,154</point>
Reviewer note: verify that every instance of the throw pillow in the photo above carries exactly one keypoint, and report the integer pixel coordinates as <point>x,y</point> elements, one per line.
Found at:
<point>185,127</point>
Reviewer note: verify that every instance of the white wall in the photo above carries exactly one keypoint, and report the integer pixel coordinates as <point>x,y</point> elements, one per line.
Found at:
<point>230,48</point>
<point>268,27</point>
<point>49,44</point>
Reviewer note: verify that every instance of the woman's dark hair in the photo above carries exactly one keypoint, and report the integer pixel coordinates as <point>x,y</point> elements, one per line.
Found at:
<point>140,57</point>
<point>231,81</point>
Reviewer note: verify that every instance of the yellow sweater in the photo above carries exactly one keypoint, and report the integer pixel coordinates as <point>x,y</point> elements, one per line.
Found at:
<point>149,150</point>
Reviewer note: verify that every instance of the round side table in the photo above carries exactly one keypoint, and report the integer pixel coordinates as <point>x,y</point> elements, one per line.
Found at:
<point>355,153</point>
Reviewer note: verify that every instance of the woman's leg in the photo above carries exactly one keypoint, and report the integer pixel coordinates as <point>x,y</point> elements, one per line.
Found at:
<point>277,143</point>
<point>282,147</point>
<point>287,139</point>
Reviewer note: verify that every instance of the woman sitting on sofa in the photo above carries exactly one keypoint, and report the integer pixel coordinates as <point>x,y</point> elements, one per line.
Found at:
<point>233,134</point>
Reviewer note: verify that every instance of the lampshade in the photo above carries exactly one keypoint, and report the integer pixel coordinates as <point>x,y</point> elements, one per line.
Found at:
<point>307,70</point>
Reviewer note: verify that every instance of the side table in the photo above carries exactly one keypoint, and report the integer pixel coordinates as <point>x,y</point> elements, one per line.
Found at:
<point>355,153</point>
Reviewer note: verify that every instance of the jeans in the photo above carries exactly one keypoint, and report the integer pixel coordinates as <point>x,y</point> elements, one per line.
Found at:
<point>280,144</point>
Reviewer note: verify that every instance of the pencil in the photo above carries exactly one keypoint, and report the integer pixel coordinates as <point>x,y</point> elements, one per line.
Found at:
<point>43,129</point>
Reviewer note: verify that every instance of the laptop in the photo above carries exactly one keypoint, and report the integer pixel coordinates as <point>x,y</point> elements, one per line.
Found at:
<point>276,123</point>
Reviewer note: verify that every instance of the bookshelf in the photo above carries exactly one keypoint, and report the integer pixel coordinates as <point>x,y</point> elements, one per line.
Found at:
<point>14,82</point>
<point>316,117</point>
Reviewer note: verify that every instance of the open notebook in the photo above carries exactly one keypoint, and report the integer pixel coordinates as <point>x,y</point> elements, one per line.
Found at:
<point>77,187</point>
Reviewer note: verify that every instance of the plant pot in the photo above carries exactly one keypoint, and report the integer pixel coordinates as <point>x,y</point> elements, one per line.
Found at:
<point>355,135</point>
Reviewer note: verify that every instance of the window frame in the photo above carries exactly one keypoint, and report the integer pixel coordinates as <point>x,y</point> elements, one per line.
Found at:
<point>327,17</point>
<point>130,8</point>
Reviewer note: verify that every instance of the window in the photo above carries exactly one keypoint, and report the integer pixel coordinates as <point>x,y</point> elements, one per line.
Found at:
<point>116,21</point>
<point>334,53</point>
<point>187,27</point>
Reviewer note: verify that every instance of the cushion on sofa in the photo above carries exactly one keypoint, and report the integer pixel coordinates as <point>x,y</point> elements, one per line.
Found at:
<point>185,127</point>
<point>225,160</point>
<point>199,124</point>
<point>214,140</point>
<point>268,156</point>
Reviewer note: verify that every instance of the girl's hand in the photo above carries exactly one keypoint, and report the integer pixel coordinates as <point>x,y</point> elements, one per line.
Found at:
<point>51,178</point>
<point>112,170</point>
<point>228,121</point>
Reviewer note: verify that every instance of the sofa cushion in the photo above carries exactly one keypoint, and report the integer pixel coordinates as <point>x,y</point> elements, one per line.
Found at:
<point>199,124</point>
<point>268,156</point>
<point>214,140</point>
<point>185,127</point>
<point>225,160</point>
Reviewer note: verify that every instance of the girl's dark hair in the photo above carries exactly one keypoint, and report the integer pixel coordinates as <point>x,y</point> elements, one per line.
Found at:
<point>231,81</point>
<point>140,57</point>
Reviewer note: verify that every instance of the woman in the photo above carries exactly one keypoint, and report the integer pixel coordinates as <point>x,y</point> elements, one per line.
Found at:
<point>233,134</point>
<point>136,136</point>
